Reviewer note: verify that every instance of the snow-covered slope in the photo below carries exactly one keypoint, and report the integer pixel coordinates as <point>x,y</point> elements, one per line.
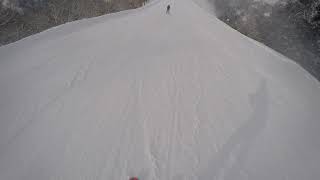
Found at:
<point>161,97</point>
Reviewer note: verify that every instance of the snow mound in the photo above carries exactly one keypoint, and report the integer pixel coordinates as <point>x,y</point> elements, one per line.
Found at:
<point>161,97</point>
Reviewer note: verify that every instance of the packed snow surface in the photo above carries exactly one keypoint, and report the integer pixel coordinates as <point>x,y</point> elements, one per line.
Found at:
<point>161,97</point>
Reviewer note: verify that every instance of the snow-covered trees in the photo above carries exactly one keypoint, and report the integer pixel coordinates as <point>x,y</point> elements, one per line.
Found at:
<point>291,27</point>
<point>21,18</point>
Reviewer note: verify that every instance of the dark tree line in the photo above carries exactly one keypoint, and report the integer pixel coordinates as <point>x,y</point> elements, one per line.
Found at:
<point>312,12</point>
<point>22,18</point>
<point>292,27</point>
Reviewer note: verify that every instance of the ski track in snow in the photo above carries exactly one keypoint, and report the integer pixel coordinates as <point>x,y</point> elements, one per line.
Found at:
<point>161,97</point>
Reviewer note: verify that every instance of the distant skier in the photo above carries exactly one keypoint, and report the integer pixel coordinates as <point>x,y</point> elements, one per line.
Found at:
<point>168,9</point>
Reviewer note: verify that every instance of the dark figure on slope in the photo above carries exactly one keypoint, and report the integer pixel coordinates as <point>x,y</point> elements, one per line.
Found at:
<point>168,9</point>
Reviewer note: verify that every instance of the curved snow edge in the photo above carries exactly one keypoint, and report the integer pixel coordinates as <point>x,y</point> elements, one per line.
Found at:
<point>74,26</point>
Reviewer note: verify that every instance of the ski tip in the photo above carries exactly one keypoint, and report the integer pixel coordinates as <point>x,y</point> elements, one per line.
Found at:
<point>134,178</point>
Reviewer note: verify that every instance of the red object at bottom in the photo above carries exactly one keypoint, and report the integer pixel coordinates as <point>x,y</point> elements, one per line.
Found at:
<point>134,178</point>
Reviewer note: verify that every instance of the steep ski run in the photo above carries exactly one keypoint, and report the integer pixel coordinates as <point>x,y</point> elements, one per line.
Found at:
<point>159,97</point>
